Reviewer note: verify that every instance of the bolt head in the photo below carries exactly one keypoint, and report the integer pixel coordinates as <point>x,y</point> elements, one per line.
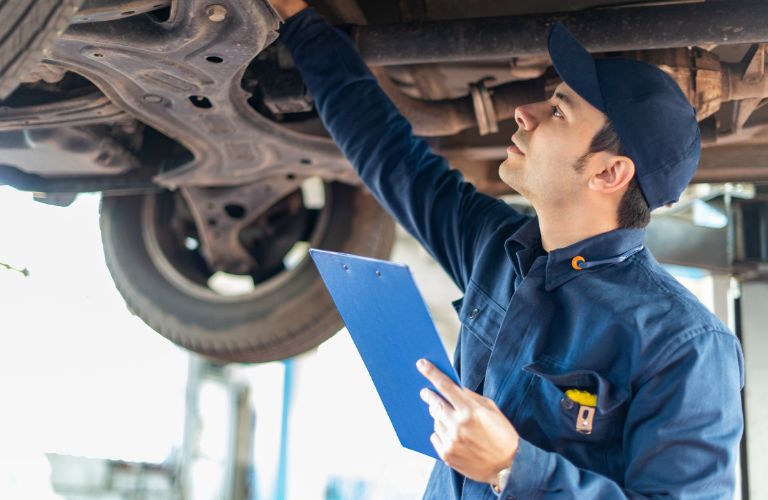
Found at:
<point>216,13</point>
<point>103,158</point>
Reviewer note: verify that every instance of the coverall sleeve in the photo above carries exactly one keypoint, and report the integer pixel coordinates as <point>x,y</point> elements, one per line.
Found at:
<point>681,435</point>
<point>432,202</point>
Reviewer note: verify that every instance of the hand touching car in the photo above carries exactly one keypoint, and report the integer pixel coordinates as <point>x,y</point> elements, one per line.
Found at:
<point>287,8</point>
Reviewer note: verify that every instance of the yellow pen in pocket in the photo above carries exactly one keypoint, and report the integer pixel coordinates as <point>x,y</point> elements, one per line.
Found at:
<point>587,403</point>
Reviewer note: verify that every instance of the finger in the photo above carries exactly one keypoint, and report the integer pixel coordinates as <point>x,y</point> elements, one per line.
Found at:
<point>437,443</point>
<point>447,388</point>
<point>438,411</point>
<point>440,429</point>
<point>434,399</point>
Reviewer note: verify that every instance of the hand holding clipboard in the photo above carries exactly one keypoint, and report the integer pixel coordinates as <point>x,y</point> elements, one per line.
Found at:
<point>392,329</point>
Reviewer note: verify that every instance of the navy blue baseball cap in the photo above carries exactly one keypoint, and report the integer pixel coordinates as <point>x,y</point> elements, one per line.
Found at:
<point>653,118</point>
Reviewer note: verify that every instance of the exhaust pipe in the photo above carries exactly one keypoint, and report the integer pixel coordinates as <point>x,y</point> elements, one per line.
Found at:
<point>451,116</point>
<point>599,30</point>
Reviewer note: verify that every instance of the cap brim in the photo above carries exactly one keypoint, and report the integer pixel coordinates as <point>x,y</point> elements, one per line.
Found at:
<point>574,64</point>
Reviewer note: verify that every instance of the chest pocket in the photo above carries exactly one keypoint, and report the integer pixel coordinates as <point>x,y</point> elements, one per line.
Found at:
<point>552,416</point>
<point>481,319</point>
<point>480,315</point>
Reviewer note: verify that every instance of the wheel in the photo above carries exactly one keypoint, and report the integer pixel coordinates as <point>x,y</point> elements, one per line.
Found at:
<point>150,247</point>
<point>26,30</point>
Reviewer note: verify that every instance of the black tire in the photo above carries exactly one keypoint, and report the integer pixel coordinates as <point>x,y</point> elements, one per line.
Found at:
<point>293,314</point>
<point>27,28</point>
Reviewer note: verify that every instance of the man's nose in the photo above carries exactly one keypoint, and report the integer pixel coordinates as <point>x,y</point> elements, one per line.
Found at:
<point>525,117</point>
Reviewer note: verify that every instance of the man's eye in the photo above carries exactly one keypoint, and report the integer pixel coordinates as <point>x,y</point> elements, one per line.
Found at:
<point>556,112</point>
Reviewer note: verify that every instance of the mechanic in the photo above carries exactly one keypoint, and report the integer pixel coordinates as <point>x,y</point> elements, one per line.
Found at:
<point>587,370</point>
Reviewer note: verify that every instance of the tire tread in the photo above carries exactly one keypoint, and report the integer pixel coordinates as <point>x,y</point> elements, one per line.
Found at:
<point>270,337</point>
<point>27,28</point>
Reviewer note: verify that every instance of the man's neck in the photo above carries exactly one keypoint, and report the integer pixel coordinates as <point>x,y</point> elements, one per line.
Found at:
<point>558,231</point>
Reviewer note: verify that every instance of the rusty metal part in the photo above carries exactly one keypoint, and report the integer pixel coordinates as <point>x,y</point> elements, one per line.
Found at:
<point>754,63</point>
<point>216,12</point>
<point>425,81</point>
<point>747,79</point>
<point>659,26</point>
<point>485,113</point>
<point>451,116</point>
<point>429,118</point>
<point>526,68</point>
<point>111,10</point>
<point>708,82</point>
<point>446,81</point>
<point>703,78</point>
<point>221,214</point>
<point>127,184</point>
<point>183,79</point>
<point>698,73</point>
<point>65,151</point>
<point>55,199</point>
<point>44,72</point>
<point>84,110</point>
<point>742,111</point>
<point>733,162</point>
<point>746,84</point>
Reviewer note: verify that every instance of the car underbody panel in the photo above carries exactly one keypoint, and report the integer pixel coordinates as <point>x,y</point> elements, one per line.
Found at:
<point>208,78</point>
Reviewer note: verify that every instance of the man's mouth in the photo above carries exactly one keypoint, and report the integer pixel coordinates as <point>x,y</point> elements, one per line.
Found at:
<point>514,149</point>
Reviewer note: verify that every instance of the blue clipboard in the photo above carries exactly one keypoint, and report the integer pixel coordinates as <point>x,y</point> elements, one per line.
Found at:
<point>392,329</point>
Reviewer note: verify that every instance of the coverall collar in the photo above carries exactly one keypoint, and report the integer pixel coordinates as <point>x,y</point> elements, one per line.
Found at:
<point>526,242</point>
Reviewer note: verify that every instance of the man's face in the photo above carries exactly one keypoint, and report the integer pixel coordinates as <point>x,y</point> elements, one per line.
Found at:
<point>552,136</point>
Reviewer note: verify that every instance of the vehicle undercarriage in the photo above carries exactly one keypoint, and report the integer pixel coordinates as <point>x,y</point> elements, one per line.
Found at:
<point>217,174</point>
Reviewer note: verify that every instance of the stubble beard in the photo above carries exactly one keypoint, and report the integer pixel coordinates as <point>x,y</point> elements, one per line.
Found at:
<point>509,174</point>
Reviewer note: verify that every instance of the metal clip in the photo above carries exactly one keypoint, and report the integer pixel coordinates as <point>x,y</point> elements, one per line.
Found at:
<point>584,419</point>
<point>485,113</point>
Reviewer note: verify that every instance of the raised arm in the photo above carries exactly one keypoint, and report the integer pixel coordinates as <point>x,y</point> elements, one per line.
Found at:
<point>447,215</point>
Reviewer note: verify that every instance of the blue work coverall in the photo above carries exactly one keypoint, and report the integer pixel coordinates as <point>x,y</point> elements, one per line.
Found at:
<point>666,371</point>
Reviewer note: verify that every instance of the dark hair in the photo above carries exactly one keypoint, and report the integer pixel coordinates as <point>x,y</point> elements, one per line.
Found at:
<point>633,212</point>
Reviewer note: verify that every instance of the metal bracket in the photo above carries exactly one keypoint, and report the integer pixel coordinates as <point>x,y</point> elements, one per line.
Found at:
<point>729,234</point>
<point>66,151</point>
<point>754,63</point>
<point>485,113</point>
<point>183,78</point>
<point>742,110</point>
<point>82,110</point>
<point>221,214</point>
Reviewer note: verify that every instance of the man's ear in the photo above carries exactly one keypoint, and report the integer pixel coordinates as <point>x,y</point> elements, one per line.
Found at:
<point>616,173</point>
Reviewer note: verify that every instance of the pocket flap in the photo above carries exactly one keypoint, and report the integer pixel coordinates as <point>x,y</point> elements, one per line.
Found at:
<point>609,395</point>
<point>479,314</point>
